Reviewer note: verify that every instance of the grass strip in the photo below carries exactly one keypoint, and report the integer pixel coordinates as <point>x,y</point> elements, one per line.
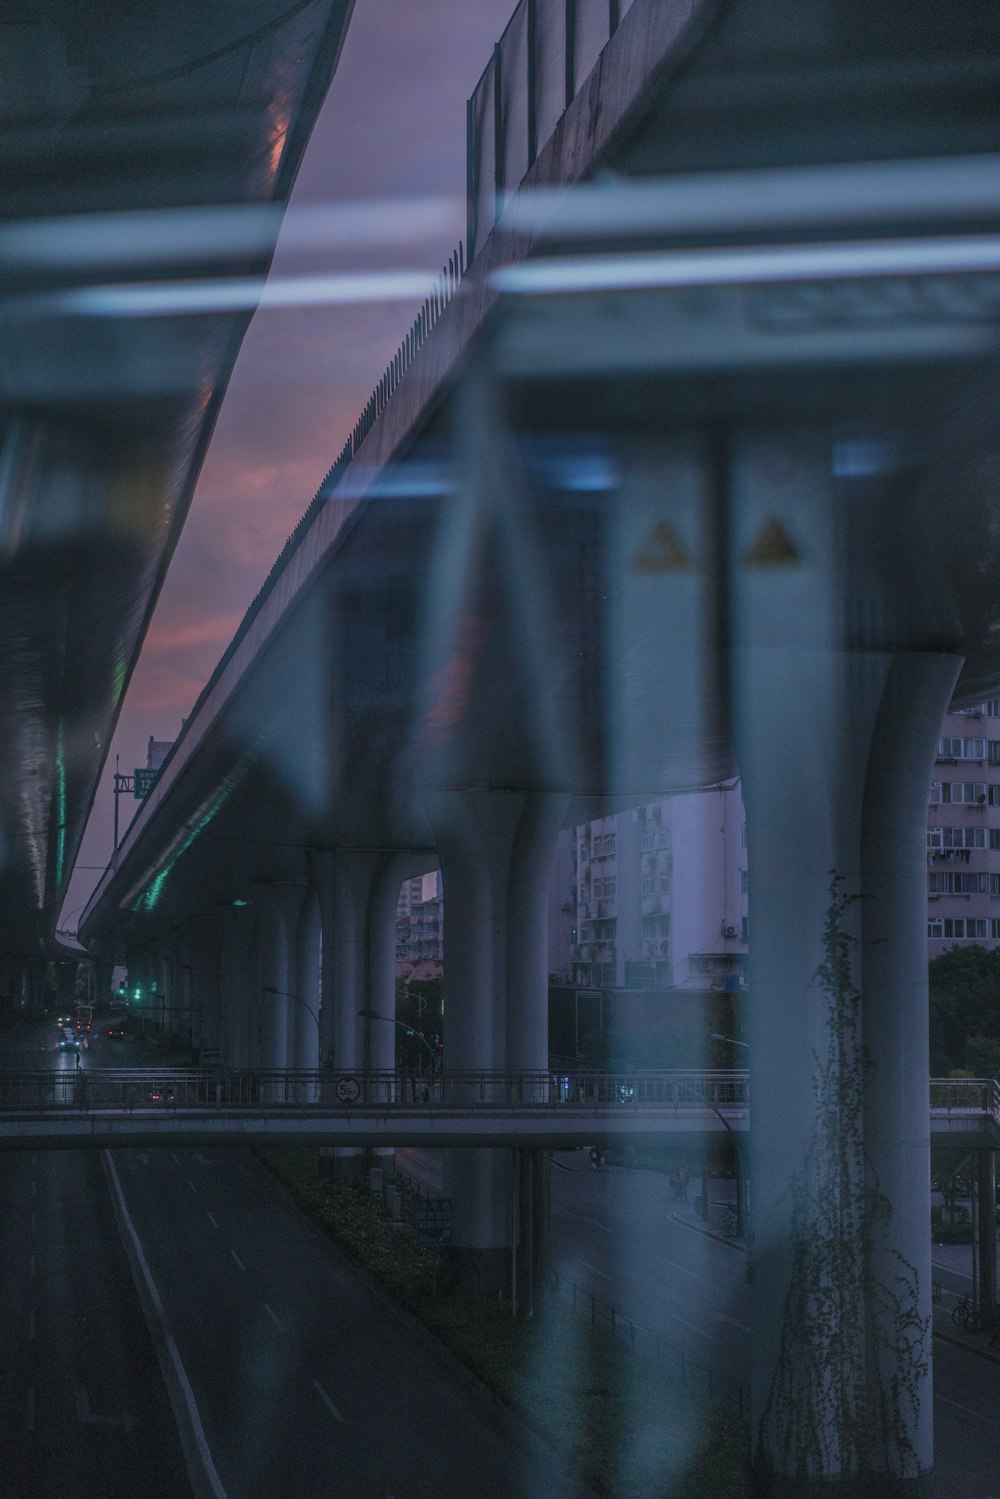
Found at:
<point>628,1429</point>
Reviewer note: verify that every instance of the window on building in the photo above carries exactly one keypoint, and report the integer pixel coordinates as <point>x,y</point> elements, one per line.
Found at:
<point>745,929</point>
<point>744,881</point>
<point>935,927</point>
<point>995,928</point>
<point>936,794</point>
<point>995,886</point>
<point>962,749</point>
<point>968,792</point>
<point>965,928</point>
<point>935,837</point>
<point>648,886</point>
<point>646,841</point>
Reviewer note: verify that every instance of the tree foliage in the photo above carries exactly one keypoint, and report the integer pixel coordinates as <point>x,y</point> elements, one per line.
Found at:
<point>964,1006</point>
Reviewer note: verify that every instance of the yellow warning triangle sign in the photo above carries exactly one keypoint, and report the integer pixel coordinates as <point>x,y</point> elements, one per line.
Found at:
<point>772,547</point>
<point>662,551</point>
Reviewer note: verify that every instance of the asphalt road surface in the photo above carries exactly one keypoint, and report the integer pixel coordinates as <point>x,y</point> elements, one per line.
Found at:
<point>297,1381</point>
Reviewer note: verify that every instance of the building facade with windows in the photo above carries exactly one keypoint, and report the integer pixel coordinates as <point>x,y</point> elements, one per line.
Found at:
<point>963,831</point>
<point>659,895</point>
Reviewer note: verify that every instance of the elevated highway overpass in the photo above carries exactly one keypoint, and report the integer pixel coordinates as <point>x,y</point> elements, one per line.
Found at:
<point>691,471</point>
<point>124,137</point>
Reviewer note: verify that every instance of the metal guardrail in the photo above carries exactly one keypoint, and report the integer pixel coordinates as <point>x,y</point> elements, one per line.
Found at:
<point>725,1093</point>
<point>548,49</point>
<point>675,1360</point>
<point>129,1089</point>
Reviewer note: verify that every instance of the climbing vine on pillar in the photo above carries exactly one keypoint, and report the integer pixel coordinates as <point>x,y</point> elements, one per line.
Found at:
<point>845,1391</point>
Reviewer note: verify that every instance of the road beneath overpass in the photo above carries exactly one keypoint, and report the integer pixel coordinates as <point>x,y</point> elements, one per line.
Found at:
<point>621,1237</point>
<point>294,1371</point>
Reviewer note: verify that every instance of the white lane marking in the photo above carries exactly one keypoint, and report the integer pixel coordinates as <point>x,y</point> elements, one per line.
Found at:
<point>31,1325</point>
<point>966,1411</point>
<point>191,1184</point>
<point>733,1321</point>
<point>237,1259</point>
<point>170,1347</point>
<point>175,1157</point>
<point>594,1270</point>
<point>31,1407</point>
<point>211,1219</point>
<point>274,1317</point>
<point>594,1221</point>
<point>326,1400</point>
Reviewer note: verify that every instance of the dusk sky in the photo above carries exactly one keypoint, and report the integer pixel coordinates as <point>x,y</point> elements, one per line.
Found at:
<point>392,128</point>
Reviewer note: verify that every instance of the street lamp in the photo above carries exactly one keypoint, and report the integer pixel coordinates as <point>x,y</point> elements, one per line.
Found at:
<point>284,994</point>
<point>369,1014</point>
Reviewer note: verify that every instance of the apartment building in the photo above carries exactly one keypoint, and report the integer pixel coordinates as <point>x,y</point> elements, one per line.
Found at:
<point>420,927</point>
<point>963,831</point>
<point>660,896</point>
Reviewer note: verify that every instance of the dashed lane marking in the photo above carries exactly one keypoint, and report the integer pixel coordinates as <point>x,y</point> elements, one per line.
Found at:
<point>326,1400</point>
<point>191,1184</point>
<point>594,1270</point>
<point>238,1260</point>
<point>211,1219</point>
<point>967,1411</point>
<point>274,1317</point>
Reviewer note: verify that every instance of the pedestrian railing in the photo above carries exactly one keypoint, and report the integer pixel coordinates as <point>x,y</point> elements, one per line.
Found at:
<point>683,1094</point>
<point>673,1358</point>
<point>548,49</point>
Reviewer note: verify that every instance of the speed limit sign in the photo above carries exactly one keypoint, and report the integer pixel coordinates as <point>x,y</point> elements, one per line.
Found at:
<point>347,1089</point>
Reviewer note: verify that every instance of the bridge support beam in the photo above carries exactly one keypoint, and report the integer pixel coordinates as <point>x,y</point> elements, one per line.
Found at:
<point>836,754</point>
<point>496,848</point>
<point>986,1191</point>
<point>239,1019</point>
<point>531,1236</point>
<point>357,892</point>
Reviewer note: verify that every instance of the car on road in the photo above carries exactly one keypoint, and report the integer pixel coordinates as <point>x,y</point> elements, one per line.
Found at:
<point>116,1033</point>
<point>68,1040</point>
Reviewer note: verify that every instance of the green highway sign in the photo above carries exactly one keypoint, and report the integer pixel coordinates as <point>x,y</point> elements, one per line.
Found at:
<point>144,781</point>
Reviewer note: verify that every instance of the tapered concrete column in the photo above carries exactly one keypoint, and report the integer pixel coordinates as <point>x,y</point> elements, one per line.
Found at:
<point>895,1031</point>
<point>280,907</point>
<point>304,1017</point>
<point>206,960</point>
<point>239,1016</point>
<point>345,882</point>
<point>495,848</point>
<point>836,1025</point>
<point>986,1184</point>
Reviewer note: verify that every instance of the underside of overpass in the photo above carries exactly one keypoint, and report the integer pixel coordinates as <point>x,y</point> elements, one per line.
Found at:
<point>124,129</point>
<point>695,471</point>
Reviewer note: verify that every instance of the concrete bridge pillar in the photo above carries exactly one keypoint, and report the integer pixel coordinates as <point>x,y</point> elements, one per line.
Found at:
<point>496,848</point>
<point>357,891</point>
<point>986,1185</point>
<point>303,1044</point>
<point>239,1015</point>
<point>274,999</point>
<point>835,747</point>
<point>204,957</point>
